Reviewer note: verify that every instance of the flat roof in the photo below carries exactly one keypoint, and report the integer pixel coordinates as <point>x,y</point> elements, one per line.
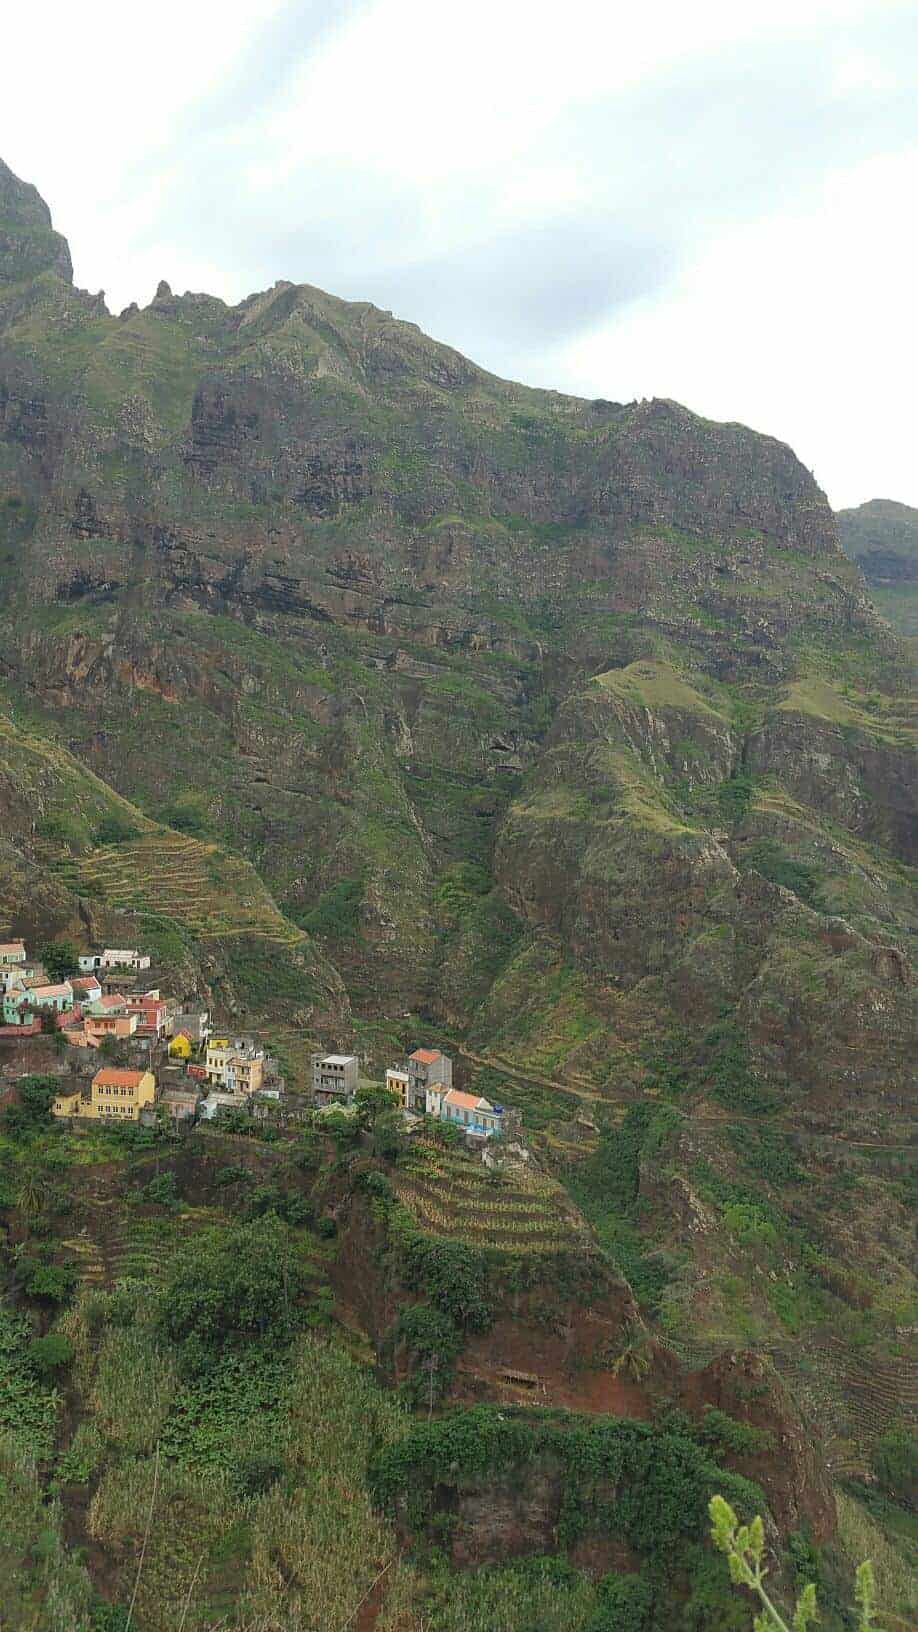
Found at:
<point>338,1059</point>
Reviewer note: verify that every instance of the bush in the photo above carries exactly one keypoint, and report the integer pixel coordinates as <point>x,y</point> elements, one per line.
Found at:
<point>336,915</point>
<point>162,1189</point>
<point>895,1463</point>
<point>115,829</point>
<point>48,1354</point>
<point>626,1602</point>
<point>52,1282</point>
<point>777,865</point>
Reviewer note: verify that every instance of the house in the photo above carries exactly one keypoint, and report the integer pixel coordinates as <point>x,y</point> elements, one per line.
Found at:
<point>121,1094</point>
<point>474,1115</point>
<point>334,1077</point>
<point>12,952</point>
<point>68,1102</point>
<point>57,997</point>
<point>235,1065</point>
<point>150,1010</point>
<point>244,1073</point>
<point>180,1046</point>
<point>114,958</point>
<point>108,1018</point>
<point>181,1104</point>
<point>16,1009</point>
<point>427,1068</point>
<point>86,988</point>
<point>397,1082</point>
<point>216,1102</point>
<point>216,1055</point>
<point>194,1022</point>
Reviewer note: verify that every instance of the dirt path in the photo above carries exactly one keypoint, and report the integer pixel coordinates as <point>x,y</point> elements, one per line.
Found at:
<point>591,1096</point>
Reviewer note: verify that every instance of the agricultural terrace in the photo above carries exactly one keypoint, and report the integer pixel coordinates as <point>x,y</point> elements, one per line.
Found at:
<point>519,1211</point>
<point>209,892</point>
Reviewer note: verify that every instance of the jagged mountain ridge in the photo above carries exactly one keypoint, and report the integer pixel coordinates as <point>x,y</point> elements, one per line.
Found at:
<point>566,722</point>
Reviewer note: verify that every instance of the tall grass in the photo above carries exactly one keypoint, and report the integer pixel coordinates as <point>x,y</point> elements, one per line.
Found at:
<point>318,1545</point>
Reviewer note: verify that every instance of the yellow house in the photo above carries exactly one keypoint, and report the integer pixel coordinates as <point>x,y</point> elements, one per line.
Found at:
<point>67,1104</point>
<point>121,1094</point>
<point>218,1052</point>
<point>180,1047</point>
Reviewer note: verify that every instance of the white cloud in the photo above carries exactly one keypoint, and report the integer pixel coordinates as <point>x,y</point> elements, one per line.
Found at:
<point>707,201</point>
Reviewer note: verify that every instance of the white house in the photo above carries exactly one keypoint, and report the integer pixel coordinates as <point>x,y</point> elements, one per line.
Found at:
<point>114,957</point>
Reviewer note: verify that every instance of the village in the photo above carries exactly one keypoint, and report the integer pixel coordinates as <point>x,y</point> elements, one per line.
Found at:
<point>132,1054</point>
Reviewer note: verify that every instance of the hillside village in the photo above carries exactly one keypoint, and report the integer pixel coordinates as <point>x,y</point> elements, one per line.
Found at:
<point>133,1053</point>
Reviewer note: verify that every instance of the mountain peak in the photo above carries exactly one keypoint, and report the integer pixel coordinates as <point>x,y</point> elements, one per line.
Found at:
<point>29,244</point>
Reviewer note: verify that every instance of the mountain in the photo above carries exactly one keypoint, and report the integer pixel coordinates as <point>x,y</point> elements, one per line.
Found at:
<point>882,537</point>
<point>566,726</point>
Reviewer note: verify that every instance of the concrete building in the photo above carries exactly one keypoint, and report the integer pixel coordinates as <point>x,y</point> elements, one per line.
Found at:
<point>427,1068</point>
<point>114,957</point>
<point>194,1022</point>
<point>215,1103</point>
<point>334,1077</point>
<point>57,997</point>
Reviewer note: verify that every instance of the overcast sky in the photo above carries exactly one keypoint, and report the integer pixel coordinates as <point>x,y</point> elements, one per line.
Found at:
<point>713,200</point>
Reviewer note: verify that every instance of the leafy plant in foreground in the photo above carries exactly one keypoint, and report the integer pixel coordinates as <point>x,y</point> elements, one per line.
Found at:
<point>744,1549</point>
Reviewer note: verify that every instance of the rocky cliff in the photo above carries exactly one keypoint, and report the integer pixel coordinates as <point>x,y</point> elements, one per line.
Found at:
<point>566,723</point>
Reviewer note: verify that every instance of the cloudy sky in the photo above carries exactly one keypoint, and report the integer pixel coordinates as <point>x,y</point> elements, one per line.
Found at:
<point>713,200</point>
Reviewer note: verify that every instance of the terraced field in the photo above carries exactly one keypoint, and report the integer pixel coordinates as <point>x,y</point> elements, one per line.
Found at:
<point>209,892</point>
<point>519,1212</point>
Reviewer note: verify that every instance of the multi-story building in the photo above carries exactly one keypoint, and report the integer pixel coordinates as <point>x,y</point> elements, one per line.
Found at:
<point>150,1010</point>
<point>121,1094</point>
<point>244,1073</point>
<point>195,1023</point>
<point>334,1077</point>
<point>427,1068</point>
<point>12,952</point>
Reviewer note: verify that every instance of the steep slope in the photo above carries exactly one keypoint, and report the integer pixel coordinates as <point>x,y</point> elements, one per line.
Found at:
<point>882,537</point>
<point>81,861</point>
<point>566,723</point>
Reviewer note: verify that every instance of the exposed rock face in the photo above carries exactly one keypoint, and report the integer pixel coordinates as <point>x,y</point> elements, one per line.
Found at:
<point>567,721</point>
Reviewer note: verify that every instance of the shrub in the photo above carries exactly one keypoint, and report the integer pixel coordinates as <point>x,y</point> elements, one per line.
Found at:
<point>162,1189</point>
<point>625,1604</point>
<point>115,829</point>
<point>777,865</point>
<point>336,915</point>
<point>48,1354</point>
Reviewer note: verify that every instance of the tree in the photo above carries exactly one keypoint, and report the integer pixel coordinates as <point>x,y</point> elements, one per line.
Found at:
<point>35,1096</point>
<point>245,1281</point>
<point>60,958</point>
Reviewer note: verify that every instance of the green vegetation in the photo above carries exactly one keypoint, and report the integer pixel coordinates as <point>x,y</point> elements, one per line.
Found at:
<point>662,1478</point>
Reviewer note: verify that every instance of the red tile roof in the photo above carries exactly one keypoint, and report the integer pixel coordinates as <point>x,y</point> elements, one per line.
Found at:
<point>466,1102</point>
<point>110,1078</point>
<point>425,1056</point>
